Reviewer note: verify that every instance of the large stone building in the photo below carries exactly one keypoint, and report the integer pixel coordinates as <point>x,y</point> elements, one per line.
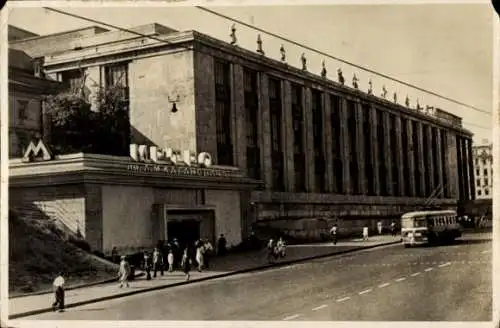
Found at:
<point>483,170</point>
<point>323,150</point>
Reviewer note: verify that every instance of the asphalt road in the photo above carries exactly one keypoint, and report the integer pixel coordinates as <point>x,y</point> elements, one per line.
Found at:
<point>445,283</point>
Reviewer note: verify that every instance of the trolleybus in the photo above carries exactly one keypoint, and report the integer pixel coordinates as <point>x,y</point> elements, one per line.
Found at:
<point>429,227</point>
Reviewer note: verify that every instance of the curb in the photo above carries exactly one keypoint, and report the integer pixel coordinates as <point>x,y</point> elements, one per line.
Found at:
<point>92,284</point>
<point>222,275</point>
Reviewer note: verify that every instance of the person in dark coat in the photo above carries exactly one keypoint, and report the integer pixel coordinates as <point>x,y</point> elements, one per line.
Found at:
<point>58,285</point>
<point>157,262</point>
<point>147,265</point>
<point>186,263</point>
<point>221,245</point>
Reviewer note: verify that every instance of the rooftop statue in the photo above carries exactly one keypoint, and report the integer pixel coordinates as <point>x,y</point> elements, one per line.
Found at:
<point>233,35</point>
<point>418,106</point>
<point>283,53</point>
<point>323,70</point>
<point>304,62</point>
<point>355,81</point>
<point>395,96</point>
<point>407,101</point>
<point>259,45</point>
<point>340,76</point>
<point>384,92</point>
<point>370,87</point>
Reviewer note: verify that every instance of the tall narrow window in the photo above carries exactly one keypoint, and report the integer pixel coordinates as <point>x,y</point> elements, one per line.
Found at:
<point>298,139</point>
<point>335,103</point>
<point>436,160</point>
<point>367,126</point>
<point>22,109</point>
<point>318,135</point>
<point>73,79</point>
<point>223,114</point>
<point>394,153</point>
<point>427,162</point>
<point>405,149</point>
<point>352,128</point>
<point>251,122</point>
<point>444,149</point>
<point>416,160</point>
<point>382,153</point>
<point>276,115</point>
<point>117,76</point>
<point>460,170</point>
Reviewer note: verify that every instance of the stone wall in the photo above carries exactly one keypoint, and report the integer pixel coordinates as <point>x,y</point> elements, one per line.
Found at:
<point>152,81</point>
<point>63,203</point>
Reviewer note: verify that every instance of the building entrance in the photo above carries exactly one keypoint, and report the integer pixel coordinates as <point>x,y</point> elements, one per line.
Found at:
<point>186,231</point>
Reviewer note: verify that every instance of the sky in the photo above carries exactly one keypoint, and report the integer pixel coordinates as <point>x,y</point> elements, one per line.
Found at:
<point>444,48</point>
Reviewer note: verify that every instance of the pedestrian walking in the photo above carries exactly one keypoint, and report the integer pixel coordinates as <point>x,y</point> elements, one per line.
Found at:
<point>157,262</point>
<point>124,272</point>
<point>281,247</point>
<point>114,255</point>
<point>365,233</point>
<point>209,249</point>
<point>379,227</point>
<point>58,286</point>
<point>271,250</point>
<point>176,248</point>
<point>393,228</point>
<point>186,264</point>
<point>221,245</point>
<point>170,259</point>
<point>147,265</point>
<point>199,257</point>
<point>333,233</point>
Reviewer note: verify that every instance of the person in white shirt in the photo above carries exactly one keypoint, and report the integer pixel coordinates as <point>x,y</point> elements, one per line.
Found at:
<point>333,232</point>
<point>124,272</point>
<point>365,233</point>
<point>207,255</point>
<point>379,227</point>
<point>199,257</point>
<point>170,259</point>
<point>281,247</point>
<point>58,285</point>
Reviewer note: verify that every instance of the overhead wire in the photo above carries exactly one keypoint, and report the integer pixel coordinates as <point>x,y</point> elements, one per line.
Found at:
<point>213,12</point>
<point>188,47</point>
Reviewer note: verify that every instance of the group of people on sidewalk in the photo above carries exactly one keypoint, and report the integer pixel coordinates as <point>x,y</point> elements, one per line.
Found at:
<point>197,254</point>
<point>276,248</point>
<point>392,229</point>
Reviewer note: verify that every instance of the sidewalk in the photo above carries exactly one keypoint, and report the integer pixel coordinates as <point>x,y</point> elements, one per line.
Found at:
<point>219,267</point>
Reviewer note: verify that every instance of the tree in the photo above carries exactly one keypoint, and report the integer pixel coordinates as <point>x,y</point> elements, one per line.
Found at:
<point>72,123</point>
<point>75,127</point>
<point>113,131</point>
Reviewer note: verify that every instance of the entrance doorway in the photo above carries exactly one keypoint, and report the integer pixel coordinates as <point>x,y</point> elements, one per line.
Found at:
<point>186,231</point>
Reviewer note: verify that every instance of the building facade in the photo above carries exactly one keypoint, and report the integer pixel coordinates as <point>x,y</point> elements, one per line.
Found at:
<point>483,170</point>
<point>325,151</point>
<point>27,89</point>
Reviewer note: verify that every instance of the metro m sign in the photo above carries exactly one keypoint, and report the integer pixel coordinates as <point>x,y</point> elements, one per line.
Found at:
<point>34,151</point>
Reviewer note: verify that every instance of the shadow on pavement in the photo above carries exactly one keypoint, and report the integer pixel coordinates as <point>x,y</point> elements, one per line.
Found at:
<point>471,241</point>
<point>457,242</point>
<point>90,310</point>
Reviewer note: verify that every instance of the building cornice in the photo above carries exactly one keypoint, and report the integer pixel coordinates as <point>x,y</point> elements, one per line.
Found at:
<point>322,199</point>
<point>114,170</point>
